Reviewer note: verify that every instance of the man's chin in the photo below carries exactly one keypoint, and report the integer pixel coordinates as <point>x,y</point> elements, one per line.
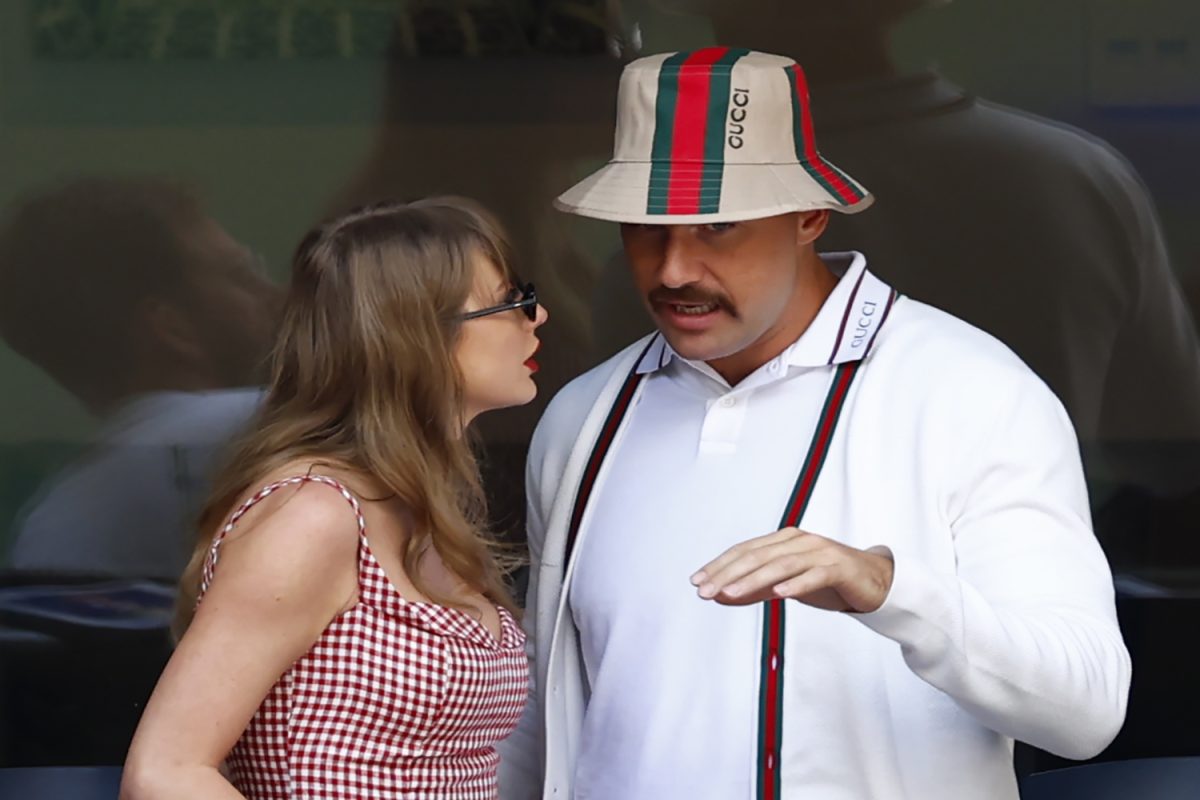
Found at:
<point>696,347</point>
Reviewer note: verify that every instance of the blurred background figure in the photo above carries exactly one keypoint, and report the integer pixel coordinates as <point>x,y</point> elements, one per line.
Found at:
<point>1035,231</point>
<point>144,308</point>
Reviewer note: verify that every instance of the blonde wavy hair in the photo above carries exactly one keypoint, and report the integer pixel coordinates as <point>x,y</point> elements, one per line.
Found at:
<point>363,375</point>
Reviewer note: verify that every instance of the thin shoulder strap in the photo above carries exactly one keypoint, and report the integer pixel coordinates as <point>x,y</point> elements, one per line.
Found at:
<point>211,563</point>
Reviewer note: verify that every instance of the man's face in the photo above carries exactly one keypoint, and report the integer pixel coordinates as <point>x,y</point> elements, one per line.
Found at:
<point>719,289</point>
<point>236,307</point>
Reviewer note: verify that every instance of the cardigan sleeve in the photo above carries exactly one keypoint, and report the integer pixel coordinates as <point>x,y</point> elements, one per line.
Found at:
<point>1023,633</point>
<point>521,768</point>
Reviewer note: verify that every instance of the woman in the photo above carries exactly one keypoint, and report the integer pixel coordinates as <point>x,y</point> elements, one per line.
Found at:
<point>352,634</point>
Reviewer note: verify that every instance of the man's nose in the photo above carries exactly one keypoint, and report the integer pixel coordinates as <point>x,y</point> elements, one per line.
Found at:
<point>680,266</point>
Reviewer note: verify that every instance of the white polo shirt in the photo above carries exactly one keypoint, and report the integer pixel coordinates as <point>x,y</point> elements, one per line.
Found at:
<point>870,709</point>
<point>701,467</point>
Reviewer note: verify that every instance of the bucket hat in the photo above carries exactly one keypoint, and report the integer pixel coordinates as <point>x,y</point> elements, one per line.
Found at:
<point>720,134</point>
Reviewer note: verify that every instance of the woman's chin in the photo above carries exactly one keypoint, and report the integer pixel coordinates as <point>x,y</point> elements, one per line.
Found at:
<point>520,397</point>
<point>528,394</point>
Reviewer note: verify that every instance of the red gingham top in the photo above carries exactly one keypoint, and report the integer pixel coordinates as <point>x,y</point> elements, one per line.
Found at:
<point>395,699</point>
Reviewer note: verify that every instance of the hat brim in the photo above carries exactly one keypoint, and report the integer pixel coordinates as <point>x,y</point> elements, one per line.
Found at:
<point>618,192</point>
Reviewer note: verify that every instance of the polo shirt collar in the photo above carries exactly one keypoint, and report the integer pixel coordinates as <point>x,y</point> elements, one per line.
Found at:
<point>842,331</point>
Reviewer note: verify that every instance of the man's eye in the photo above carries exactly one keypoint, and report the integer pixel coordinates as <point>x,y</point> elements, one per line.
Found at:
<point>719,227</point>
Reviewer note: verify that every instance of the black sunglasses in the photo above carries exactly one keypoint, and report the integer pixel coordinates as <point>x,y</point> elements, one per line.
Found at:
<point>527,302</point>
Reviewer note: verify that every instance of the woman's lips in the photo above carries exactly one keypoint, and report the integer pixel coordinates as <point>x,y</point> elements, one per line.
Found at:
<point>531,362</point>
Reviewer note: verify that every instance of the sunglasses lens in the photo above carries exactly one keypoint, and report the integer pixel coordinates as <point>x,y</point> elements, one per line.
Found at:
<point>530,310</point>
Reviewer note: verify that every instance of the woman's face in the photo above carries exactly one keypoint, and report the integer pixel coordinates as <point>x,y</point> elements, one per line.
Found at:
<point>495,352</point>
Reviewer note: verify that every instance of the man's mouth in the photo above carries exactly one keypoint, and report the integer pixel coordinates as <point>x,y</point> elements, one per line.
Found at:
<point>693,309</point>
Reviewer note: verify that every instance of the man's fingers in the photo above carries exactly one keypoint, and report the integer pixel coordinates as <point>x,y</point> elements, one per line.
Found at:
<point>804,573</point>
<point>813,580</point>
<point>782,560</point>
<point>767,583</point>
<point>785,535</point>
<point>803,566</point>
<point>738,550</point>
<point>745,571</point>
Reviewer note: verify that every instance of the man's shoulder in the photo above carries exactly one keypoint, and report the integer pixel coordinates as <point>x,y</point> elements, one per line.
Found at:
<point>1049,142</point>
<point>185,419</point>
<point>942,349</point>
<point>913,319</point>
<point>940,373</point>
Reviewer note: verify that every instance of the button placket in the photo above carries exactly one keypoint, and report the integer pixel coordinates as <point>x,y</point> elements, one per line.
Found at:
<point>723,423</point>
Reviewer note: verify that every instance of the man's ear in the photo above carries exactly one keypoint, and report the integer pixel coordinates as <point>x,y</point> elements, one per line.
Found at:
<point>810,225</point>
<point>173,330</point>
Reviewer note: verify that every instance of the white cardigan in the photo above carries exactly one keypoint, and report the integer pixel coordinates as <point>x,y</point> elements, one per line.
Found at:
<point>1002,602</point>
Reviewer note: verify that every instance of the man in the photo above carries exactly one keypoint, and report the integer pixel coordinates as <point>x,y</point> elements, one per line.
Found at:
<point>1059,254</point>
<point>811,538</point>
<point>144,308</point>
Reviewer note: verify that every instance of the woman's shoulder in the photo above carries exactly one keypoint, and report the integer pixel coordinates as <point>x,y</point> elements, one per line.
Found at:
<point>287,562</point>
<point>293,535</point>
<point>301,500</point>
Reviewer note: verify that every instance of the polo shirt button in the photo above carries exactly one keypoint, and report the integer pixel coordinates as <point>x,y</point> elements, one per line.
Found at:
<point>774,366</point>
<point>728,402</point>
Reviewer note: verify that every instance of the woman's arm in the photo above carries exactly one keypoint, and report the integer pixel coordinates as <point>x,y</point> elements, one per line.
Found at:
<point>284,574</point>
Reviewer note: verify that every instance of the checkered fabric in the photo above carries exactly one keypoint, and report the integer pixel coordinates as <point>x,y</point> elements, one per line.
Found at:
<point>396,699</point>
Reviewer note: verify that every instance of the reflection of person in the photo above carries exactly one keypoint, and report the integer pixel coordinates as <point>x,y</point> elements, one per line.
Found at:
<point>932,590</point>
<point>145,309</point>
<point>1034,231</point>
<point>508,130</point>
<point>361,637</point>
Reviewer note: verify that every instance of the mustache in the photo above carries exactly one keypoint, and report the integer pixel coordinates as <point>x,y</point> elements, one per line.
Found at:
<point>690,294</point>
